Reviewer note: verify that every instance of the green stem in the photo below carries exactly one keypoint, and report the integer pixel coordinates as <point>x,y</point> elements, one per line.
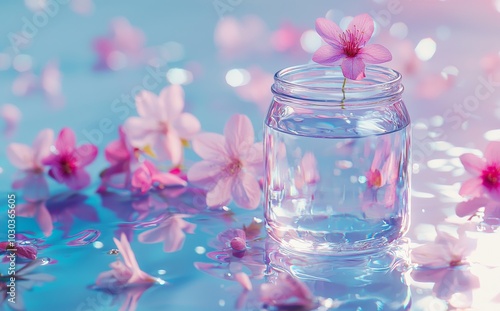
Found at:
<point>343,94</point>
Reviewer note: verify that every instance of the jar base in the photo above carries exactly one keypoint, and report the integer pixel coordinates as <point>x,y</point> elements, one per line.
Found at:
<point>331,243</point>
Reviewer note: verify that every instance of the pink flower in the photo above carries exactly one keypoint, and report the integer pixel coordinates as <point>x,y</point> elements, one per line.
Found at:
<point>231,164</point>
<point>121,156</point>
<point>148,176</point>
<point>487,173</point>
<point>170,231</point>
<point>124,273</point>
<point>11,115</point>
<point>124,45</point>
<point>161,123</point>
<point>446,251</point>
<point>29,161</point>
<point>68,162</point>
<point>287,293</point>
<point>348,48</point>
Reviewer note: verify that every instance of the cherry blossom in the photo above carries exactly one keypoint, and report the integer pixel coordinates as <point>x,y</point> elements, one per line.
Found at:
<point>124,273</point>
<point>231,164</point>
<point>148,176</point>
<point>161,124</point>
<point>348,48</point>
<point>486,171</point>
<point>68,162</point>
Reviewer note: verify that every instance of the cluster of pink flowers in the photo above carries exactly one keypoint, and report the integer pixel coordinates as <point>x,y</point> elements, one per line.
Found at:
<point>65,160</point>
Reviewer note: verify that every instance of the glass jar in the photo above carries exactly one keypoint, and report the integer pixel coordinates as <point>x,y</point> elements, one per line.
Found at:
<point>337,160</point>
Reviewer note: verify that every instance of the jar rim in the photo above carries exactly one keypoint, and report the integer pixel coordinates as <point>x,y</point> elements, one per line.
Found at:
<point>309,82</point>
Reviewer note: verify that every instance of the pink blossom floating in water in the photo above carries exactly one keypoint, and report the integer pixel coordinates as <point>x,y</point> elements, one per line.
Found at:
<point>348,48</point>
<point>161,124</point>
<point>287,293</point>
<point>122,157</point>
<point>124,273</point>
<point>148,176</point>
<point>68,161</point>
<point>231,164</point>
<point>446,251</point>
<point>171,231</point>
<point>30,161</point>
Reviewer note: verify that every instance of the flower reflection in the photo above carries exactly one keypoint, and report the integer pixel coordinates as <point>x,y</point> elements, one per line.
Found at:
<point>287,293</point>
<point>29,161</point>
<point>171,231</point>
<point>25,280</point>
<point>62,209</point>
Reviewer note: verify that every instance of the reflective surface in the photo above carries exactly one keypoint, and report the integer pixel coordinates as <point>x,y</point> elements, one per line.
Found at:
<point>226,67</point>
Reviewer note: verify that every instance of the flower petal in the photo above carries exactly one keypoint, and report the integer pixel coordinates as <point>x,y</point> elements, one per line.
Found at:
<point>66,140</point>
<point>221,194</point>
<point>329,31</point>
<point>328,55</point>
<point>472,163</point>
<point>169,147</point>
<point>146,104</point>
<point>204,173</point>
<point>140,131</point>
<point>20,155</point>
<point>375,54</point>
<point>239,135</point>
<point>471,187</point>
<point>364,24</point>
<point>41,145</point>
<point>187,125</point>
<point>78,180</point>
<point>167,179</point>
<point>246,191</point>
<point>86,154</point>
<point>141,179</point>
<point>492,152</point>
<point>353,68</point>
<point>210,146</point>
<point>171,102</point>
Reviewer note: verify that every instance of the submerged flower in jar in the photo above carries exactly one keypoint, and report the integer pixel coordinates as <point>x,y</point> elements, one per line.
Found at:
<point>348,48</point>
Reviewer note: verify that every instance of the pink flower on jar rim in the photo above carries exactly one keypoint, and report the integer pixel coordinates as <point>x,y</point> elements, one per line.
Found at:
<point>348,48</point>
